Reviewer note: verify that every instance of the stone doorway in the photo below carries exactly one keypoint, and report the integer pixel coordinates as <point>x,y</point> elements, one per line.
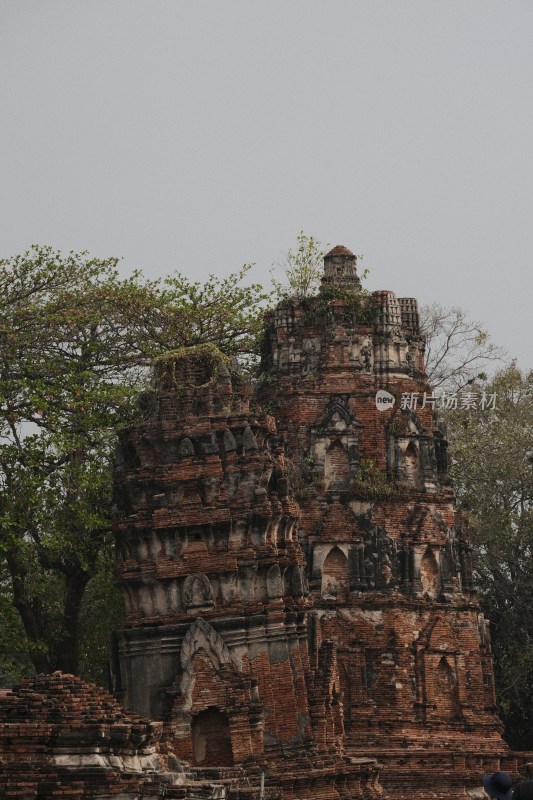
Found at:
<point>211,740</point>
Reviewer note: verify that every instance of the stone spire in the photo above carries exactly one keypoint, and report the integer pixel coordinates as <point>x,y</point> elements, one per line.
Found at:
<point>340,268</point>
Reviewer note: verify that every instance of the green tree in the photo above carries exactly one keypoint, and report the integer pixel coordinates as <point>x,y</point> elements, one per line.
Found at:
<point>221,311</point>
<point>76,342</point>
<point>302,270</point>
<point>492,468</point>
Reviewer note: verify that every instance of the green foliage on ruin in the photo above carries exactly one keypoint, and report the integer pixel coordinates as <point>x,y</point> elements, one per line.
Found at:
<point>304,284</point>
<point>372,482</point>
<point>301,270</point>
<point>167,365</point>
<point>358,302</point>
<point>225,312</point>
<point>492,468</point>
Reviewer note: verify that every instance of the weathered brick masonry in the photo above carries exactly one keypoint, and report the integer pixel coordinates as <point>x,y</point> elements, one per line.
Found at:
<point>298,584</point>
<point>62,738</point>
<point>216,641</point>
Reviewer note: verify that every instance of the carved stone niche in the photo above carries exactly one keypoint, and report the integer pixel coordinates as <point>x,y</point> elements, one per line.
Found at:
<point>335,576</point>
<point>310,355</point>
<point>186,448</point>
<point>439,666</point>
<point>295,582</point>
<point>274,583</point>
<point>197,592</point>
<point>405,460</point>
<point>441,455</point>
<point>430,573</point>
<point>380,565</point>
<point>456,561</point>
<point>334,448</point>
<point>412,460</point>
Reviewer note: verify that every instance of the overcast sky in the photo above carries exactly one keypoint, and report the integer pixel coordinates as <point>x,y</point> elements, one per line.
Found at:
<point>196,135</point>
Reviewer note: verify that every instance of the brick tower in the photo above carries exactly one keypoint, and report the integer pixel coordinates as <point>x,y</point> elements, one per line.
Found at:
<point>216,640</point>
<point>388,559</point>
<point>298,584</point>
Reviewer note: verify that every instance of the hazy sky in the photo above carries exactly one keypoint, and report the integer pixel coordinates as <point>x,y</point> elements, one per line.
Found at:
<point>195,135</point>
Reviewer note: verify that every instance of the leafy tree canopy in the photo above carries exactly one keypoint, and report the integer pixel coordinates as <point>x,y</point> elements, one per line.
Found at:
<point>75,344</point>
<point>492,469</point>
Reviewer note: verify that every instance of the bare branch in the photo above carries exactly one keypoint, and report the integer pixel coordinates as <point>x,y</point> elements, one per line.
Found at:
<point>458,351</point>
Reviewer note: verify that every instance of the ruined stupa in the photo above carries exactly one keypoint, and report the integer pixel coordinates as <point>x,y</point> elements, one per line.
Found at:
<point>300,605</point>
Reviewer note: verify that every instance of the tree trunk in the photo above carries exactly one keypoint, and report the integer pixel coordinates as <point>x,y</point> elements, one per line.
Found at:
<point>39,657</point>
<point>67,658</point>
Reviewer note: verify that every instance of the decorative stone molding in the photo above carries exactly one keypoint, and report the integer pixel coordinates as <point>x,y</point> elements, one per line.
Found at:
<point>201,635</point>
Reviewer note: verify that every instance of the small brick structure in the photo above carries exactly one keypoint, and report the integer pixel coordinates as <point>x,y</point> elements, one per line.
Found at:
<point>63,738</point>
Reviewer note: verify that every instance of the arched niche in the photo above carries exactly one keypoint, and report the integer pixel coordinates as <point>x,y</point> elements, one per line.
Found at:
<point>173,596</point>
<point>127,454</point>
<point>337,467</point>
<point>411,463</point>
<point>202,636</point>
<point>337,413</point>
<point>123,553</point>
<point>294,582</point>
<point>335,574</point>
<point>334,447</point>
<point>273,582</point>
<point>147,452</point>
<point>197,591</point>
<point>159,599</point>
<point>211,740</point>
<point>186,448</point>
<point>204,639</point>
<point>446,690</point>
<point>430,574</point>
<point>130,600</point>
<point>145,601</point>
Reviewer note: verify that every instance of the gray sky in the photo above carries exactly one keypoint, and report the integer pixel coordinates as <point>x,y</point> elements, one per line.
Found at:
<point>195,135</point>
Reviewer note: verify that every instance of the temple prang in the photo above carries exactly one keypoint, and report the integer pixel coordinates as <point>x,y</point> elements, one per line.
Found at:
<point>301,620</point>
<point>298,583</point>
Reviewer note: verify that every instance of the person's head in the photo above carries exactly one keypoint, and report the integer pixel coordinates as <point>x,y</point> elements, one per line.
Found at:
<point>498,785</point>
<point>524,791</point>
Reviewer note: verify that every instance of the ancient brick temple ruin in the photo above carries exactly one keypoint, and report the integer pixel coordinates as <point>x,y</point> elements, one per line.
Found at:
<point>300,611</point>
